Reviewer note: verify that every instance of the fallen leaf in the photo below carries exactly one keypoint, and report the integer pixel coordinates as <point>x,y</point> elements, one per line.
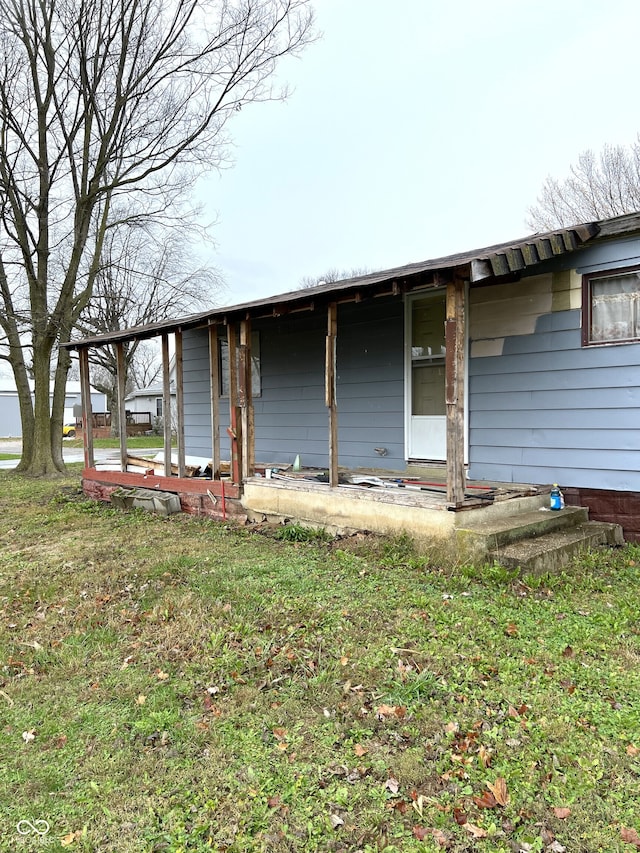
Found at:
<point>568,652</point>
<point>344,661</point>
<point>336,820</point>
<point>476,831</point>
<point>29,736</point>
<point>511,630</point>
<point>360,750</point>
<point>392,785</point>
<point>279,733</point>
<point>555,847</point>
<point>274,802</point>
<point>161,676</point>
<point>141,699</point>
<point>633,750</point>
<point>485,800</point>
<point>440,837</point>
<point>484,755</point>
<point>630,836</point>
<point>421,832</point>
<point>561,812</point>
<point>499,791</point>
<point>460,816</point>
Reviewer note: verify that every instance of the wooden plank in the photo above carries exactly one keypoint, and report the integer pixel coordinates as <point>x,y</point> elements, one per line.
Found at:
<point>166,404</point>
<point>180,401</point>
<point>87,414</point>
<point>195,486</point>
<point>214,380</point>
<point>330,391</point>
<point>235,422</point>
<point>122,406</point>
<point>159,467</point>
<point>454,369</point>
<point>248,438</point>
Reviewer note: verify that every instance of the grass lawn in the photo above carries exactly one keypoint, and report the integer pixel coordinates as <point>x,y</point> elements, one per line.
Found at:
<point>181,685</point>
<point>134,442</point>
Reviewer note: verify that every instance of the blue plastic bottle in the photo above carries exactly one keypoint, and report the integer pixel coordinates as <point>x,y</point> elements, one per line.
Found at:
<point>555,497</point>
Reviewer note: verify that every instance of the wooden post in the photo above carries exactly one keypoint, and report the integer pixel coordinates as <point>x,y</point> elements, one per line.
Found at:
<point>166,405</point>
<point>122,406</point>
<point>235,422</point>
<point>454,364</point>
<point>246,400</point>
<point>180,402</point>
<point>330,391</point>
<point>214,385</point>
<point>87,414</point>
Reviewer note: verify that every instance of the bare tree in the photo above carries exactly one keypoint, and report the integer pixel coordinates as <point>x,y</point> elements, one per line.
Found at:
<point>597,187</point>
<point>100,99</point>
<point>332,275</point>
<point>147,274</point>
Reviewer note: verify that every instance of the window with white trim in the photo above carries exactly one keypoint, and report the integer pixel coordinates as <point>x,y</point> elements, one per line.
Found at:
<point>611,307</point>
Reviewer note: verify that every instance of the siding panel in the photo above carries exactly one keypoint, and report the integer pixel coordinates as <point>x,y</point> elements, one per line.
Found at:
<point>290,414</point>
<point>549,410</point>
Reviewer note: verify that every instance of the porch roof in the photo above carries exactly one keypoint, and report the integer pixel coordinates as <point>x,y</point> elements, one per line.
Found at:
<point>502,259</point>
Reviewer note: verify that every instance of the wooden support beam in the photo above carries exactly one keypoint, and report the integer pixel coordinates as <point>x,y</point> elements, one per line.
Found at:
<point>166,404</point>
<point>122,406</point>
<point>330,391</point>
<point>214,384</point>
<point>87,414</point>
<point>248,419</point>
<point>235,421</point>
<point>180,401</point>
<point>454,368</point>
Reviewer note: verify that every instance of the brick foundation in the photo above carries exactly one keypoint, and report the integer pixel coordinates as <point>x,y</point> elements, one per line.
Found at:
<point>618,507</point>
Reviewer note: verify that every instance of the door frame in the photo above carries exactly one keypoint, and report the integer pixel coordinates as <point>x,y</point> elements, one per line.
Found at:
<point>409,299</point>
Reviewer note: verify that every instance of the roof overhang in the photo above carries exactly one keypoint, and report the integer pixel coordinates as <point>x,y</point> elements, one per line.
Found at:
<point>480,265</point>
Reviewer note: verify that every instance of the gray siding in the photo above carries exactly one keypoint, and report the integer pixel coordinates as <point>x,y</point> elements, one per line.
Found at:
<point>290,413</point>
<point>549,410</point>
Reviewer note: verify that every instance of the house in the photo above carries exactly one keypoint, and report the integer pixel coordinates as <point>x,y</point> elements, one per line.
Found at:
<point>462,384</point>
<point>10,424</point>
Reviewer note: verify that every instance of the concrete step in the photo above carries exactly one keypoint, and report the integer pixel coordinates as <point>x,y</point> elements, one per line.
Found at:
<point>488,534</point>
<point>549,551</point>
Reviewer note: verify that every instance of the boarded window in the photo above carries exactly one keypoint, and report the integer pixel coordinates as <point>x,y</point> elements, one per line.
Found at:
<point>611,307</point>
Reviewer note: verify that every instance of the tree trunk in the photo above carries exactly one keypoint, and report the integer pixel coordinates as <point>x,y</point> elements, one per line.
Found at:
<point>42,461</point>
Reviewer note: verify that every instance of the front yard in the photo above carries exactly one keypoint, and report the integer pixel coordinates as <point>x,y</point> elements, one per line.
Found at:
<point>181,685</point>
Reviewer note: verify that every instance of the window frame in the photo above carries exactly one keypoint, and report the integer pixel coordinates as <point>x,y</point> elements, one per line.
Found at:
<point>587,278</point>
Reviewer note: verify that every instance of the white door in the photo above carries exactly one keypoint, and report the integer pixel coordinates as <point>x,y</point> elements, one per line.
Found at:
<point>425,377</point>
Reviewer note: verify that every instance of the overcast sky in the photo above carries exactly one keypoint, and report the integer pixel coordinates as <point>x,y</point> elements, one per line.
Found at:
<point>418,128</point>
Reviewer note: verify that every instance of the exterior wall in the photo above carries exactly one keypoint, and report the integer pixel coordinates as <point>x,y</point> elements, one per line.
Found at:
<point>542,408</point>
<point>290,414</point>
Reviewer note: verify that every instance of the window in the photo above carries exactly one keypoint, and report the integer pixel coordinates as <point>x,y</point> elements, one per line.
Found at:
<point>158,407</point>
<point>255,366</point>
<point>611,307</point>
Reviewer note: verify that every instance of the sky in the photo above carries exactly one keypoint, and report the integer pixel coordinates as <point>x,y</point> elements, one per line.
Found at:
<point>416,129</point>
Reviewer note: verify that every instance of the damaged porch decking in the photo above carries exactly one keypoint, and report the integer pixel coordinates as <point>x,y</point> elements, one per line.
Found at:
<point>386,502</point>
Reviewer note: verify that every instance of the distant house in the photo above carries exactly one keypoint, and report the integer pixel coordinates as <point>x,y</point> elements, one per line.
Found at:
<point>510,367</point>
<point>10,425</point>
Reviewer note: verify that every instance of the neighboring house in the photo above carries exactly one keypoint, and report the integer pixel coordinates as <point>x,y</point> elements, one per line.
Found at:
<point>514,364</point>
<point>10,425</point>
<point>150,400</point>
